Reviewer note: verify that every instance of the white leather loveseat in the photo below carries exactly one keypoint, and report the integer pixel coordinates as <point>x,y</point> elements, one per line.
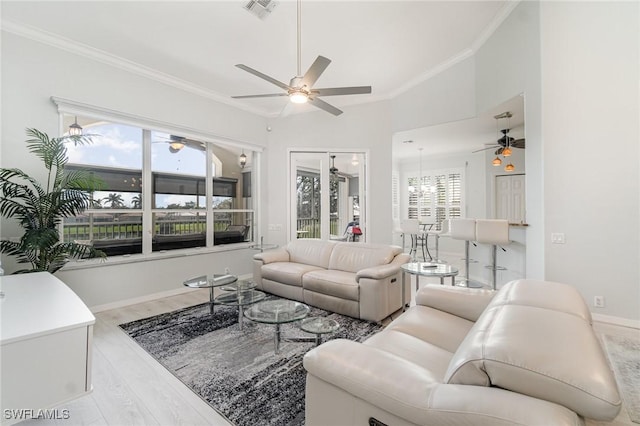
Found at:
<point>360,280</point>
<point>526,356</point>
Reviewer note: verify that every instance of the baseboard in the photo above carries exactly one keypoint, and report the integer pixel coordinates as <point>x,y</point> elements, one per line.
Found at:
<point>149,297</point>
<point>624,322</point>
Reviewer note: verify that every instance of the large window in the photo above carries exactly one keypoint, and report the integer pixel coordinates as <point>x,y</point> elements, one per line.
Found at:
<point>160,191</point>
<point>435,197</point>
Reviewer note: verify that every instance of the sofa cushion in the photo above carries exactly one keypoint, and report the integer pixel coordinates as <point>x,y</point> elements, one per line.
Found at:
<point>287,272</point>
<point>333,283</point>
<point>431,325</point>
<point>538,352</point>
<point>352,257</point>
<point>310,252</point>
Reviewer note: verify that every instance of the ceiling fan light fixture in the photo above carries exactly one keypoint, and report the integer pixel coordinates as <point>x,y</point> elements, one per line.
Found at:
<point>298,97</point>
<point>506,152</point>
<point>176,145</point>
<point>509,167</point>
<point>496,161</point>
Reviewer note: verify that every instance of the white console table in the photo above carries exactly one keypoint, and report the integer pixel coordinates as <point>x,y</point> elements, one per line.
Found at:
<point>46,336</point>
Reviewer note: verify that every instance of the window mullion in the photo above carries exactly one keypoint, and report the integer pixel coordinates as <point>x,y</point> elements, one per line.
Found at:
<point>147,193</point>
<point>209,196</point>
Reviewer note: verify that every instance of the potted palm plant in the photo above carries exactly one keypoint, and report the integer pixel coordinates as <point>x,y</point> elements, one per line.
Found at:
<point>40,208</point>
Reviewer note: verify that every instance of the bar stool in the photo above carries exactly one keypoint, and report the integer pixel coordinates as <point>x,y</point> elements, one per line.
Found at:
<point>442,232</point>
<point>412,227</point>
<point>465,229</point>
<point>496,233</point>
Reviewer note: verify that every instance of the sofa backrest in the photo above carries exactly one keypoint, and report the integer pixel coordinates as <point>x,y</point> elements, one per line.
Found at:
<point>534,338</point>
<point>310,252</point>
<point>353,257</point>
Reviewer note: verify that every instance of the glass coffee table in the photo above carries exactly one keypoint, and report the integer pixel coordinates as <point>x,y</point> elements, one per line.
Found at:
<point>240,299</point>
<point>277,312</point>
<point>210,281</point>
<point>319,326</point>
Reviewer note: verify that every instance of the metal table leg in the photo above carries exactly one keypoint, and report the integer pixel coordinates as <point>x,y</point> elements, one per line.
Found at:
<point>211,300</point>
<point>276,340</point>
<point>404,281</point>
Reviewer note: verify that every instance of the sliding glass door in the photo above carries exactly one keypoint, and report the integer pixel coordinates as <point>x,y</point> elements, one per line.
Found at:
<point>327,195</point>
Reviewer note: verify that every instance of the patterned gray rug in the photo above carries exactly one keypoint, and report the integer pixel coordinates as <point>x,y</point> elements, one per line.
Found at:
<point>624,355</point>
<point>236,371</point>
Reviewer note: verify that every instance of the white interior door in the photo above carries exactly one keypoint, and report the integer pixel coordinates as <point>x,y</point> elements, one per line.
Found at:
<point>510,198</point>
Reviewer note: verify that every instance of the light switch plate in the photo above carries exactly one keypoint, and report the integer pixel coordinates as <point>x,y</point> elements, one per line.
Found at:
<point>557,238</point>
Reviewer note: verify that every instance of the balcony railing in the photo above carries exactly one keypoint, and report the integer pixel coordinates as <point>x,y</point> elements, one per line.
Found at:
<point>310,228</point>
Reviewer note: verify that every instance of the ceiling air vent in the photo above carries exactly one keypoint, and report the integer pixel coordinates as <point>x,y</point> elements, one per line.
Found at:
<point>260,8</point>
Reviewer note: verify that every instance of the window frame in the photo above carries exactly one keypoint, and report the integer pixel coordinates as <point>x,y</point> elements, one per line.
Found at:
<point>68,107</point>
<point>430,202</point>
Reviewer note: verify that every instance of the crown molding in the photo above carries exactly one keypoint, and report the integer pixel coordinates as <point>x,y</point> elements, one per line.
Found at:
<point>92,53</point>
<point>502,14</point>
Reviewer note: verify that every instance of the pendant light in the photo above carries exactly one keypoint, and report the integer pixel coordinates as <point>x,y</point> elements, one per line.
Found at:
<point>75,129</point>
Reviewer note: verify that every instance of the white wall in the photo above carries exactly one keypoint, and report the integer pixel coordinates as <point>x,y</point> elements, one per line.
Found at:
<point>448,96</point>
<point>33,72</point>
<point>508,64</point>
<point>590,64</point>
<point>360,127</point>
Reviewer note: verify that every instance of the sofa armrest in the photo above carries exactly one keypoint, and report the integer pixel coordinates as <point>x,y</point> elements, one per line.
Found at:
<point>378,272</point>
<point>270,256</point>
<point>373,375</point>
<point>467,303</point>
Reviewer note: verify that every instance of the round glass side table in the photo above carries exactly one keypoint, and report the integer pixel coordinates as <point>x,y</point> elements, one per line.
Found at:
<point>210,281</point>
<point>319,326</point>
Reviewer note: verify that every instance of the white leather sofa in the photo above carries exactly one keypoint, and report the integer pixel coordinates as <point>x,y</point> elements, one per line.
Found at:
<point>360,280</point>
<point>525,355</point>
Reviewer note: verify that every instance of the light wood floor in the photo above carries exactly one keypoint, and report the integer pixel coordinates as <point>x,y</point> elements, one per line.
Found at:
<point>131,388</point>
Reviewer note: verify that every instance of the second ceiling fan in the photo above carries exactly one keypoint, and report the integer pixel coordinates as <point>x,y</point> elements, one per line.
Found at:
<point>300,89</point>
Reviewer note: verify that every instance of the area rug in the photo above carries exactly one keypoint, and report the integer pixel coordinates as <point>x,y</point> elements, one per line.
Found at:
<point>624,355</point>
<point>236,371</point>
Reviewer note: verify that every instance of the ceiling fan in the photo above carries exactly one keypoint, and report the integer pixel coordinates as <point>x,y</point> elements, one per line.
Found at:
<point>333,170</point>
<point>505,141</point>
<point>177,143</point>
<point>300,89</point>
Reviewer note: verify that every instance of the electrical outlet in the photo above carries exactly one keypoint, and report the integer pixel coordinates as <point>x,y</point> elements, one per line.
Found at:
<point>557,238</point>
<point>598,301</point>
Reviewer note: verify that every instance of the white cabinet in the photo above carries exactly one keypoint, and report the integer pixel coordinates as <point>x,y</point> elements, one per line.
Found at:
<point>45,343</point>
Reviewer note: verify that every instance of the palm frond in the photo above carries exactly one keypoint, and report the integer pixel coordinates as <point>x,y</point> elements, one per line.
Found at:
<point>40,209</point>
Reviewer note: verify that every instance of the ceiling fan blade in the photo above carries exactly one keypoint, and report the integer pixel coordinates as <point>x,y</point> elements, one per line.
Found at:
<point>315,70</point>
<point>270,95</point>
<point>336,91</point>
<point>288,108</point>
<point>263,76</point>
<point>518,143</point>
<point>484,149</point>
<point>324,106</point>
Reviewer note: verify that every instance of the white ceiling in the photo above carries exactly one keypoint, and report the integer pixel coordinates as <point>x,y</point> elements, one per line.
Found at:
<point>390,45</point>
<point>463,136</point>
